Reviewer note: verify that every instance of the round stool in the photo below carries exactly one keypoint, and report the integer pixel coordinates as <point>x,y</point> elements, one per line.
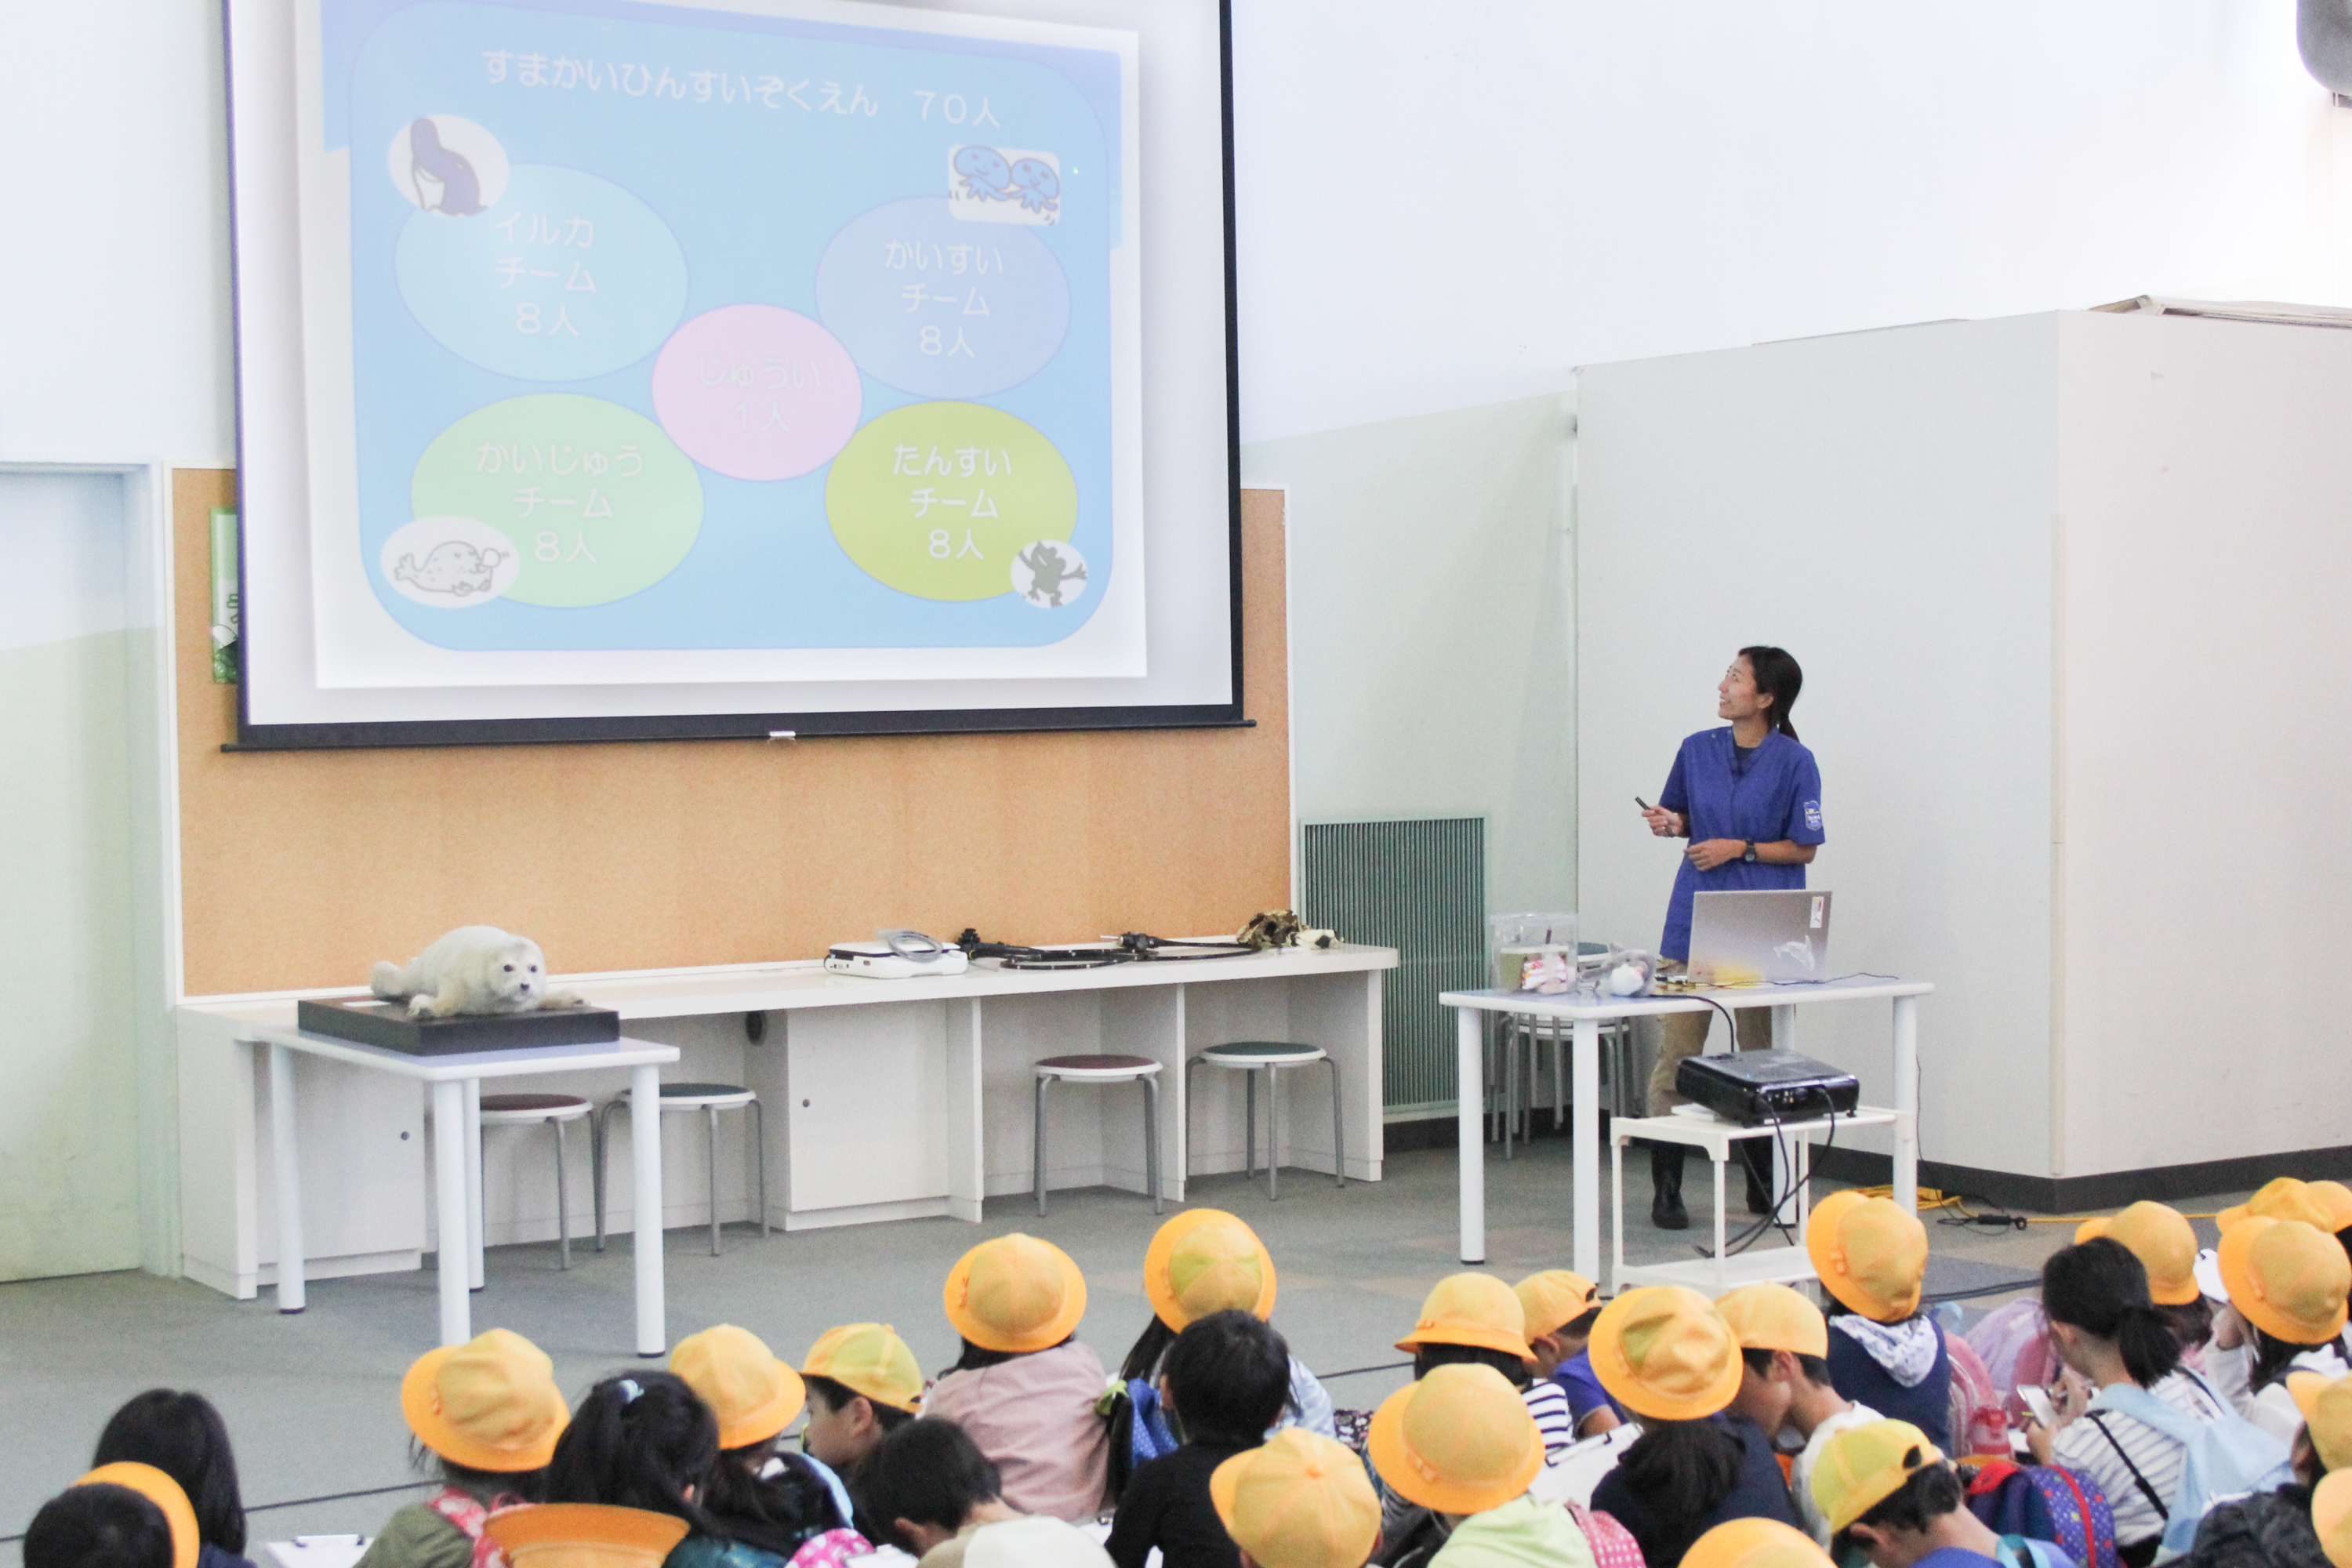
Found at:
<point>1104,1069</point>
<point>1272,1058</point>
<point>528,1110</point>
<point>710,1099</point>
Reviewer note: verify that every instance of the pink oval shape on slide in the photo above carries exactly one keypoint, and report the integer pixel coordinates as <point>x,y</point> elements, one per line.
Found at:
<point>757,391</point>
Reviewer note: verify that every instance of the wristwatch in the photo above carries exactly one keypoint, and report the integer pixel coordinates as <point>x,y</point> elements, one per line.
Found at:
<point>1750,855</point>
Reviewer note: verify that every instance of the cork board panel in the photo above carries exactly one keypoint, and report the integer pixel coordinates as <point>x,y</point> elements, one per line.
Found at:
<point>300,868</point>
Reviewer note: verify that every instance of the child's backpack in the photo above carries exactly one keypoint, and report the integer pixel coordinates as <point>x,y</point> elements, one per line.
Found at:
<point>1612,1544</point>
<point>1977,1421</point>
<point>2013,1342</point>
<point>2224,1457</point>
<point>2046,1502</point>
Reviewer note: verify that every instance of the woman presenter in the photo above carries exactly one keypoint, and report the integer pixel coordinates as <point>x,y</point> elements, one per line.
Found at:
<point>1748,799</point>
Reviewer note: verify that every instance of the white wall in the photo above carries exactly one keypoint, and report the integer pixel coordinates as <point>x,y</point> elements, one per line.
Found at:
<point>1439,205</point>
<point>1881,506</point>
<point>1429,664</point>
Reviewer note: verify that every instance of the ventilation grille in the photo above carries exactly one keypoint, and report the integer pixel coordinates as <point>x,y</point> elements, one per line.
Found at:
<point>1419,887</point>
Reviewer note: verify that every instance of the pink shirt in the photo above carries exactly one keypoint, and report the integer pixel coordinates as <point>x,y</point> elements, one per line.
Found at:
<point>1035,1416</point>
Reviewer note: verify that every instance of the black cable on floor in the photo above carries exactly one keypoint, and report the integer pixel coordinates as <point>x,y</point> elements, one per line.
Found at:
<point>300,1501</point>
<point>1360,1371</point>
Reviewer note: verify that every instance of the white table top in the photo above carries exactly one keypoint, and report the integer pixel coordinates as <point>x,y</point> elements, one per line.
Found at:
<point>1532,1004</point>
<point>621,1053</point>
<point>789,987</point>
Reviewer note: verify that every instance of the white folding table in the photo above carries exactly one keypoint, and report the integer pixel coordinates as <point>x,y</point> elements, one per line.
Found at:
<point>456,1083</point>
<point>1584,1083</point>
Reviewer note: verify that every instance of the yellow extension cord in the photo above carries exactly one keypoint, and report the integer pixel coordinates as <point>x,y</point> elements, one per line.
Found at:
<point>1935,1198</point>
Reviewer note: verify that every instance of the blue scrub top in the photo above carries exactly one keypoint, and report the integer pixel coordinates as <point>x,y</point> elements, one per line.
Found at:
<point>1778,798</point>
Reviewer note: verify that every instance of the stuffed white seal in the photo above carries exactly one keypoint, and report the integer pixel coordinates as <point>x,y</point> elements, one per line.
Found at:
<point>474,969</point>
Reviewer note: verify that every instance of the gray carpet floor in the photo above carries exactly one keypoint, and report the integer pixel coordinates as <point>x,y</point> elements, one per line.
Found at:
<point>311,1401</point>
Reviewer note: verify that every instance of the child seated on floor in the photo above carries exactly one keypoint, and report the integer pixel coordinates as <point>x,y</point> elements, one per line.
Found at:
<point>639,1439</point>
<point>1785,1384</point>
<point>1204,1261</point>
<point>936,1496</point>
<point>1891,1496</point>
<point>110,1518</point>
<point>2165,1246</point>
<point>2286,1281</point>
<point>770,1506</point>
<point>1561,1306</point>
<point>1226,1379</point>
<point>1024,1388</point>
<point>487,1414</point>
<point>1884,1353</point>
<point>1299,1500</point>
<point>182,1435</point>
<point>863,1384</point>
<point>1461,1443</point>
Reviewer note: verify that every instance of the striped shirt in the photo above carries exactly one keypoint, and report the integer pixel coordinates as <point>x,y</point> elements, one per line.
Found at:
<point>1547,1403</point>
<point>2082,1447</point>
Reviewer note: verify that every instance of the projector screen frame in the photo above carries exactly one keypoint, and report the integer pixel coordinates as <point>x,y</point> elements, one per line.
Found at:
<point>736,726</point>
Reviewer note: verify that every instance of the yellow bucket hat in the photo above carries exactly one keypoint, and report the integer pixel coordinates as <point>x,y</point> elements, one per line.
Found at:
<point>868,1359</point>
<point>2336,1199</point>
<point>490,1404</point>
<point>1015,1294</point>
<point>584,1535</point>
<point>1459,1441</point>
<point>2280,1197</point>
<point>2164,1243</point>
<point>1204,1261</point>
<point>1665,1352</point>
<point>1775,1318</point>
<point>1471,1309</point>
<point>2326,1405</point>
<point>2288,1278</point>
<point>157,1487</point>
<point>1862,1466</point>
<point>754,1395</point>
<point>1553,1299</point>
<point>2331,1516</point>
<point>1300,1502</point>
<point>1871,1254</point>
<point>1754,1543</point>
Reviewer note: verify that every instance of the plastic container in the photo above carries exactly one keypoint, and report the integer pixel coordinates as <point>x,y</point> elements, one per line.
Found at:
<point>1513,939</point>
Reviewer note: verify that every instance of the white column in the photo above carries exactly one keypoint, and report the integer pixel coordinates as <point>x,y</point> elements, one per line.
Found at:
<point>450,1210</point>
<point>1470,1119</point>
<point>1906,1102</point>
<point>474,1184</point>
<point>1584,1113</point>
<point>645,1193</point>
<point>286,1169</point>
<point>967,1158</point>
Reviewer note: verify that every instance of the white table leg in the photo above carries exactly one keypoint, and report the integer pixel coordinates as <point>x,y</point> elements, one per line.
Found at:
<point>1584,1107</point>
<point>645,1193</point>
<point>474,1184</point>
<point>285,1168</point>
<point>967,1162</point>
<point>1906,1102</point>
<point>1616,1185</point>
<point>451,1209</point>
<point>1470,1122</point>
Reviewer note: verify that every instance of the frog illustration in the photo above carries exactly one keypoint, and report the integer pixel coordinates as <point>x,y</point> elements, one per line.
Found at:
<point>452,567</point>
<point>986,176</point>
<point>1038,186</point>
<point>1048,572</point>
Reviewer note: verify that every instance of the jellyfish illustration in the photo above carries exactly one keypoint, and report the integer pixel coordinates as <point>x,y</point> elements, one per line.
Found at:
<point>459,189</point>
<point>1038,185</point>
<point>986,176</point>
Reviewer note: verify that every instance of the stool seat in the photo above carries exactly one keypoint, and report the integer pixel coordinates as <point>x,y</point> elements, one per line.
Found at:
<point>1098,1069</point>
<point>1263,1053</point>
<point>710,1099</point>
<point>520,1109</point>
<point>705,1096</point>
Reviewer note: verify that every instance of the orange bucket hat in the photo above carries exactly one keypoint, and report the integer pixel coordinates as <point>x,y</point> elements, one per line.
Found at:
<point>1015,1294</point>
<point>1459,1441</point>
<point>1754,1543</point>
<point>1663,1351</point>
<point>1204,1261</point>
<point>2336,1199</point>
<point>2288,1278</point>
<point>2326,1405</point>
<point>2331,1516</point>
<point>1554,1299</point>
<point>2163,1242</point>
<point>1299,1501</point>
<point>754,1395</point>
<point>490,1404</point>
<point>2280,1197</point>
<point>157,1487</point>
<point>584,1535</point>
<point>1871,1254</point>
<point>1770,1317</point>
<point>868,1359</point>
<point>1471,1309</point>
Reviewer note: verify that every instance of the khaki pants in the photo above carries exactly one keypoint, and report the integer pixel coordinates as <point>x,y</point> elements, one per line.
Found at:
<point>1685,1035</point>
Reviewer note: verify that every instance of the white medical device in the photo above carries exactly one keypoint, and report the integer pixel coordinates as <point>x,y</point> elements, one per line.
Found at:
<point>896,955</point>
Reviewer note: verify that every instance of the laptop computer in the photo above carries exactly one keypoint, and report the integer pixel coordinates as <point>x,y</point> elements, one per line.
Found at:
<point>1752,938</point>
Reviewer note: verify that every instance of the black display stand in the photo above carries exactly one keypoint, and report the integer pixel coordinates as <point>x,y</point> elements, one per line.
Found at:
<point>373,1021</point>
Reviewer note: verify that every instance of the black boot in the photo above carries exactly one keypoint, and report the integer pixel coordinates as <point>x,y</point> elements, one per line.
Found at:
<point>1666,1211</point>
<point>1755,1160</point>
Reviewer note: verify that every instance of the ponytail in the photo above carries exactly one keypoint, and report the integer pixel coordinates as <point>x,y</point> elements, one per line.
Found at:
<point>2101,1288</point>
<point>1152,1347</point>
<point>1778,677</point>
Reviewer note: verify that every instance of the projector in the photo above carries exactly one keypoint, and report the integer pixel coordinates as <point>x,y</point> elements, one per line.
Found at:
<point>1752,1088</point>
